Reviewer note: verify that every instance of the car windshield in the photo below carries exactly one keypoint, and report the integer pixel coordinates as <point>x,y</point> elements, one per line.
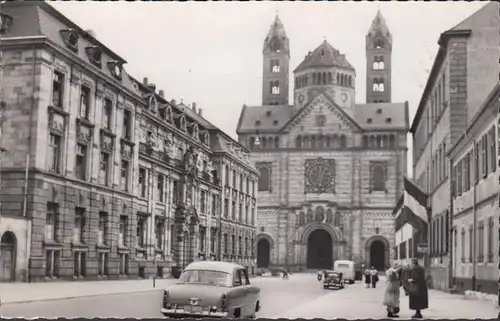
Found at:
<point>217,278</point>
<point>332,274</point>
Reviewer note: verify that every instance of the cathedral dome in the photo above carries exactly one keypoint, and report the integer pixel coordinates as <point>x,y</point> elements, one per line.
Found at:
<point>324,56</point>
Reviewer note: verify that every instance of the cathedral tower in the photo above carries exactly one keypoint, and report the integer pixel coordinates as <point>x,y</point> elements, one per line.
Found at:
<point>378,62</point>
<point>276,54</point>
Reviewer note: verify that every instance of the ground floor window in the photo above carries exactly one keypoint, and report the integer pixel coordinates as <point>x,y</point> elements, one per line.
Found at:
<point>103,264</point>
<point>52,263</point>
<point>123,264</point>
<point>79,264</point>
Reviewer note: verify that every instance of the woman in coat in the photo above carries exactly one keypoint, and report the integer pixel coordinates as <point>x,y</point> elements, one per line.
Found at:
<point>367,278</point>
<point>374,277</point>
<point>417,289</point>
<point>391,295</point>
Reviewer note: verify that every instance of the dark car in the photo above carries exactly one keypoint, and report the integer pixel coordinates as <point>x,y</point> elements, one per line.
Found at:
<point>333,279</point>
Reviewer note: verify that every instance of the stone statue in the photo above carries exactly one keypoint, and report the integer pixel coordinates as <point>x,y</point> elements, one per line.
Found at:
<point>209,167</point>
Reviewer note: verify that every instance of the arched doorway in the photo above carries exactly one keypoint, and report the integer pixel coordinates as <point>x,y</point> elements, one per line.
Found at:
<point>319,250</point>
<point>377,255</point>
<point>263,253</point>
<point>8,245</point>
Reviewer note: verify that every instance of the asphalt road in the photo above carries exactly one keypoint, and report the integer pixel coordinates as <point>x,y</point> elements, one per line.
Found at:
<point>277,296</point>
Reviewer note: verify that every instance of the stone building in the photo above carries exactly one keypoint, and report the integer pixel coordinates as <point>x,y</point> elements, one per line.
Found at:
<point>463,73</point>
<point>103,177</point>
<point>331,170</point>
<point>474,203</point>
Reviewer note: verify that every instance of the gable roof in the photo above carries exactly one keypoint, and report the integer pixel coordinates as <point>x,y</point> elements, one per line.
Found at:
<point>324,56</point>
<point>270,118</point>
<point>383,116</point>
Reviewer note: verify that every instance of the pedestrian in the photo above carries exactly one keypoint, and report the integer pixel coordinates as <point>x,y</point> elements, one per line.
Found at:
<point>285,274</point>
<point>392,293</point>
<point>319,276</point>
<point>416,288</point>
<point>367,278</point>
<point>374,277</point>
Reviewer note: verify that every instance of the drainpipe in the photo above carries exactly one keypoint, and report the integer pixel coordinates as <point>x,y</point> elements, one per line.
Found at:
<point>474,213</point>
<point>451,229</point>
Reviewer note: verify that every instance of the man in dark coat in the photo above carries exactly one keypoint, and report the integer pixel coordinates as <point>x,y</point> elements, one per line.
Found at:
<point>417,289</point>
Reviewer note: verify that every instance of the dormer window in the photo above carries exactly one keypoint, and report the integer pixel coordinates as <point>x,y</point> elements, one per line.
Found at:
<point>206,138</point>
<point>183,123</point>
<point>135,86</point>
<point>369,120</point>
<point>379,44</point>
<point>168,113</point>
<point>379,111</point>
<point>388,120</point>
<point>195,131</point>
<point>257,123</point>
<point>116,69</point>
<point>275,122</point>
<point>268,113</point>
<point>152,104</point>
<point>70,38</point>
<point>94,54</point>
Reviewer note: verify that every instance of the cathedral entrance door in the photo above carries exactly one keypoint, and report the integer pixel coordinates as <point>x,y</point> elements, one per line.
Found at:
<point>377,255</point>
<point>320,250</point>
<point>263,253</point>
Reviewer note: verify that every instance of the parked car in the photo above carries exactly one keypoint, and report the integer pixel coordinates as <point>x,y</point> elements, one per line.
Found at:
<point>212,289</point>
<point>347,269</point>
<point>333,279</point>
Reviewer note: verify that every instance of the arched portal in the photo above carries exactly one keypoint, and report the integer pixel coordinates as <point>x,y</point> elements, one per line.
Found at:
<point>377,255</point>
<point>8,247</point>
<point>319,250</point>
<point>263,253</point>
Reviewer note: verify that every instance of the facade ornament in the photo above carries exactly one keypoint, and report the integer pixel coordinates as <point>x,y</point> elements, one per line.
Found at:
<point>190,161</point>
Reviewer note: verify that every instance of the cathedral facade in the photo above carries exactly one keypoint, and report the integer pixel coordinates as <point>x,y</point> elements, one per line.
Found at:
<point>331,170</point>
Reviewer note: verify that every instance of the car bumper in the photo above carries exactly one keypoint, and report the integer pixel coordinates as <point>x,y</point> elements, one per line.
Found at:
<point>181,313</point>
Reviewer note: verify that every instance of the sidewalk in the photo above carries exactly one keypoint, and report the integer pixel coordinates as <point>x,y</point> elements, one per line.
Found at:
<point>42,291</point>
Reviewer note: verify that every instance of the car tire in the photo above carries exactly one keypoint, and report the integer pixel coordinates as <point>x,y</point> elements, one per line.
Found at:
<point>325,287</point>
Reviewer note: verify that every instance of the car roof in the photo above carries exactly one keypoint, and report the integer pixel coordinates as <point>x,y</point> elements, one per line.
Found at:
<point>227,267</point>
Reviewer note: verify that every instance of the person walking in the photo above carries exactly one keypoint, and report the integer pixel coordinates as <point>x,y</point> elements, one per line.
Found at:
<point>392,292</point>
<point>416,288</point>
<point>367,278</point>
<point>374,277</point>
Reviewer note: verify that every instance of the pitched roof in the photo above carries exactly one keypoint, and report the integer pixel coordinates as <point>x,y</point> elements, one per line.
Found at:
<point>480,15</point>
<point>379,26</point>
<point>277,30</point>
<point>385,116</point>
<point>324,56</point>
<point>263,118</point>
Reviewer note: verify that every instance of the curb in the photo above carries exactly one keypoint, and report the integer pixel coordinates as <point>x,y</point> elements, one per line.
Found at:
<point>475,295</point>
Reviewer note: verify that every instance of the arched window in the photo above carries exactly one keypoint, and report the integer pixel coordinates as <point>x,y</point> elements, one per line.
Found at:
<point>365,141</point>
<point>373,142</point>
<point>298,142</point>
<point>320,141</point>
<point>379,141</point>
<point>392,141</point>
<point>338,79</point>
<point>263,142</point>
<point>335,141</point>
<point>310,215</point>
<point>336,220</point>
<point>306,142</point>
<point>381,64</point>
<point>379,44</point>
<point>381,85</point>
<point>329,77</point>
<point>327,141</point>
<point>343,141</point>
<point>375,85</point>
<point>252,142</point>
<point>342,80</point>
<point>320,214</point>
<point>349,81</point>
<point>275,65</point>
<point>378,178</point>
<point>329,216</point>
<point>375,63</point>
<point>275,90</point>
<point>313,142</point>
<point>385,141</point>
<point>264,178</point>
<point>314,78</point>
<point>276,142</point>
<point>324,78</point>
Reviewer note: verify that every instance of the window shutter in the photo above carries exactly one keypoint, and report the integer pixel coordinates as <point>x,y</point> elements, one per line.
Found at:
<point>476,164</point>
<point>493,150</point>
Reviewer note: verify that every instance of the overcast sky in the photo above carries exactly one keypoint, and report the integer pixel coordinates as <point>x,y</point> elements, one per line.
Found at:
<point>211,53</point>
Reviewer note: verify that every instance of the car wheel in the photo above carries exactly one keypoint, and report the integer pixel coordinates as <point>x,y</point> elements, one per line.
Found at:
<point>325,287</point>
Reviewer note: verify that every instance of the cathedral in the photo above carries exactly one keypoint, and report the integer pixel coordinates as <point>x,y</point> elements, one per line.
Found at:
<point>331,169</point>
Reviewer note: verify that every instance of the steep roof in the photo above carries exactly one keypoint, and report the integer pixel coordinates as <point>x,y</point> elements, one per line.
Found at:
<point>473,20</point>
<point>324,56</point>
<point>263,118</point>
<point>277,30</point>
<point>379,26</point>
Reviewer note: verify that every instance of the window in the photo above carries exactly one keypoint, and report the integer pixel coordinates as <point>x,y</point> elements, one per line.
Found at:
<point>459,178</point>
<point>79,225</point>
<point>102,268</point>
<point>480,242</point>
<point>81,161</point>
<point>476,164</point>
<point>484,155</point>
<point>159,233</point>
<point>103,222</point>
<point>123,257</point>
<point>378,178</point>
<point>160,191</point>
<point>275,65</point>
<point>143,182</point>
<point>492,151</point>
<point>471,243</point>
<point>275,87</point>
<point>79,264</point>
<point>214,204</point>
<point>84,102</point>
<point>213,239</point>
<point>104,169</point>
<point>226,207</point>
<point>124,174</point>
<point>55,153</point>
<point>141,231</point>
<point>127,124</point>
<point>233,244</point>
<point>203,200</point>
<point>122,237</point>
<point>241,182</point>
<point>466,173</point>
<point>490,239</point>
<point>240,212</point>
<point>226,246</point>
<point>234,179</point>
<point>203,236</point>
<point>58,89</point>
<point>52,263</point>
<point>51,222</point>
<point>106,113</point>
<point>265,177</point>
<point>247,186</point>
<point>240,245</point>
<point>175,192</point>
<point>233,211</point>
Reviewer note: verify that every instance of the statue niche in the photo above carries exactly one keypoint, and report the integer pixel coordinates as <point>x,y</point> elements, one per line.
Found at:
<point>310,215</point>
<point>302,219</point>
<point>320,214</point>
<point>190,164</point>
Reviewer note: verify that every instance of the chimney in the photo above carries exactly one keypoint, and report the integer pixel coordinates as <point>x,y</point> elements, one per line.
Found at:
<point>194,107</point>
<point>145,81</point>
<point>200,112</point>
<point>91,32</point>
<point>173,102</point>
<point>151,87</point>
<point>161,93</point>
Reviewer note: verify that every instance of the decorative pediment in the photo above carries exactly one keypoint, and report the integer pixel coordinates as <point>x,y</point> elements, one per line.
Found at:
<point>168,113</point>
<point>116,69</point>
<point>70,38</point>
<point>94,54</point>
<point>126,150</point>
<point>83,133</point>
<point>206,137</point>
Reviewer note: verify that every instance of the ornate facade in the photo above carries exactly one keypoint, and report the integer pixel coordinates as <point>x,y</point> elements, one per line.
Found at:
<point>102,176</point>
<point>331,170</point>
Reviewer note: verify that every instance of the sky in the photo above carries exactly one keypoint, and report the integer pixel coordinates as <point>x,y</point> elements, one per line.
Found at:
<point>210,53</point>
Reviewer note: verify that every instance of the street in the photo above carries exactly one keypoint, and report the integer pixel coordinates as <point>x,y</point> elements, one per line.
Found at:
<point>299,297</point>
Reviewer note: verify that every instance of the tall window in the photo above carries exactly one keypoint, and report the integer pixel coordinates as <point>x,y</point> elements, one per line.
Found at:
<point>275,65</point>
<point>58,89</point>
<point>493,149</point>
<point>123,230</point>
<point>103,224</point>
<point>203,200</point>
<point>265,177</point>
<point>143,182</point>
<point>462,247</point>
<point>81,161</point>
<point>159,233</point>
<point>84,102</point>
<point>203,237</point>
<point>102,268</point>
<point>55,153</point>
<point>51,222</point>
<point>471,243</point>
<point>52,263</point>
<point>213,239</point>
<point>226,245</point>
<point>233,244</point>
<point>234,179</point>
<point>127,124</point>
<point>226,207</point>
<point>107,110</point>
<point>175,192</point>
<point>233,211</point>
<point>214,205</point>
<point>378,178</point>
<point>275,87</point>
<point>240,245</point>
<point>104,172</point>
<point>79,264</point>
<point>160,190</point>
<point>123,264</point>
<point>480,241</point>
<point>124,174</point>
<point>484,157</point>
<point>141,231</point>
<point>79,225</point>
<point>490,239</point>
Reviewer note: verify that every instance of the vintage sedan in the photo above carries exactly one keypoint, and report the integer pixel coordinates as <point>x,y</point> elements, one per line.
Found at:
<point>212,289</point>
<point>333,279</point>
